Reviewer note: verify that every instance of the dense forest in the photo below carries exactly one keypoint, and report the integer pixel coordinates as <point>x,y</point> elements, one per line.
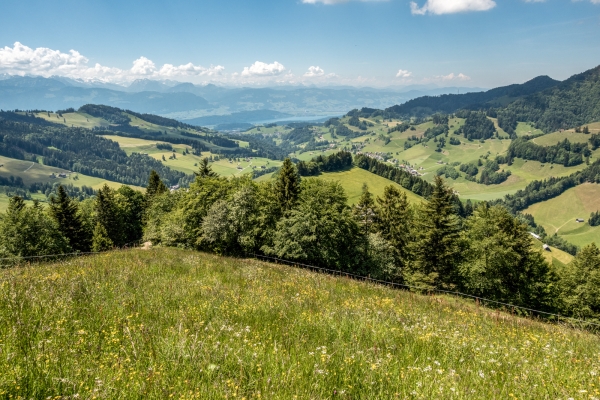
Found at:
<point>334,162</point>
<point>486,252</point>
<point>564,153</point>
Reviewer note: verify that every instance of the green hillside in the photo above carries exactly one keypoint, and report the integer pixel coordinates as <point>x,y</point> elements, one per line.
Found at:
<point>560,213</point>
<point>353,180</point>
<point>173,323</point>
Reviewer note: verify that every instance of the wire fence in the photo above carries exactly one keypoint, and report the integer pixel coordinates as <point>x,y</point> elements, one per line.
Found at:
<point>480,300</point>
<point>16,260</point>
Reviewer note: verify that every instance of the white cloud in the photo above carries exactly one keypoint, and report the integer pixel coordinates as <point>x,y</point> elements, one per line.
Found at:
<point>263,69</point>
<point>439,7</point>
<point>23,60</point>
<point>403,74</point>
<point>452,77</point>
<point>330,2</point>
<point>314,72</point>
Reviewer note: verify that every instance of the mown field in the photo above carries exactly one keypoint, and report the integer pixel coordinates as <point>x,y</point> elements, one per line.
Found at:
<point>169,323</point>
<point>560,213</point>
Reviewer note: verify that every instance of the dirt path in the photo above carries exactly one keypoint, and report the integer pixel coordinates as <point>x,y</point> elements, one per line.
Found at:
<point>29,167</point>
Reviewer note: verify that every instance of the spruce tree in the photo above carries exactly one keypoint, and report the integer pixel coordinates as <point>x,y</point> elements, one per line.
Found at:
<point>108,215</point>
<point>287,186</point>
<point>395,219</point>
<point>205,170</point>
<point>65,212</point>
<point>101,241</point>
<point>155,185</point>
<point>436,250</point>
<point>364,211</point>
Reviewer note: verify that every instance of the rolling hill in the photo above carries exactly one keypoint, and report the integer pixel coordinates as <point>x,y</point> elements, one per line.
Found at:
<point>177,323</point>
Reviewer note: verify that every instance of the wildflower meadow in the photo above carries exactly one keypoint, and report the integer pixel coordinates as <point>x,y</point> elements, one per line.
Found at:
<point>171,323</point>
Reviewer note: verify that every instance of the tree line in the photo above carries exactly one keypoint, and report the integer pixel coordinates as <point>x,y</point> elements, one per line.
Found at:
<point>488,253</point>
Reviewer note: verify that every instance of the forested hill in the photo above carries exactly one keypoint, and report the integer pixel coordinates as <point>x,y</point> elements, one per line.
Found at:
<point>449,103</point>
<point>571,103</point>
<point>82,151</point>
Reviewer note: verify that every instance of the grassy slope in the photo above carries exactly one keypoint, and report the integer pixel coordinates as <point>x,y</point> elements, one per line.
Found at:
<point>559,214</point>
<point>35,172</point>
<point>168,322</point>
<point>187,163</point>
<point>353,179</point>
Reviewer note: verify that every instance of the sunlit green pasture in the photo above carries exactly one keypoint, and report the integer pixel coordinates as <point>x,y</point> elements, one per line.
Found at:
<point>32,172</point>
<point>189,163</point>
<point>75,119</point>
<point>171,323</point>
<point>558,215</point>
<point>524,128</point>
<point>352,181</point>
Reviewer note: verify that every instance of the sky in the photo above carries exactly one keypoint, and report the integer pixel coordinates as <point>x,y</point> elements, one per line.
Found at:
<point>375,43</point>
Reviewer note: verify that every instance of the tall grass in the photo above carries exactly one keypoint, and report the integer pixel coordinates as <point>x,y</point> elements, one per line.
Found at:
<point>170,323</point>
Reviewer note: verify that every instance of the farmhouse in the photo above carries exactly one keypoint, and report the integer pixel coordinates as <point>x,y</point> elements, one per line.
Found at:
<point>579,220</point>
<point>546,247</point>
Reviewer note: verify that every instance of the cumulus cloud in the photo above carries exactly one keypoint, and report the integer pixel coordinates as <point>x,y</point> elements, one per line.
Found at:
<point>440,7</point>
<point>23,60</point>
<point>263,69</point>
<point>403,74</point>
<point>452,77</point>
<point>314,72</point>
<point>330,2</point>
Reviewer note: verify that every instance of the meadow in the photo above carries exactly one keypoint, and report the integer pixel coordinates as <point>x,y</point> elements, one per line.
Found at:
<point>352,181</point>
<point>32,172</point>
<point>560,213</point>
<point>171,323</point>
<point>189,163</point>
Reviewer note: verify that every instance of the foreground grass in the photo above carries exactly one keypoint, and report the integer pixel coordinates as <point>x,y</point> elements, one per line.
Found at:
<point>173,323</point>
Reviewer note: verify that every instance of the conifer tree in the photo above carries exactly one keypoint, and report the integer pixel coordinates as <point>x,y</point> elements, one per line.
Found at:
<point>101,241</point>
<point>155,185</point>
<point>65,212</point>
<point>108,215</point>
<point>394,219</point>
<point>287,186</point>
<point>436,249</point>
<point>364,211</point>
<point>205,170</point>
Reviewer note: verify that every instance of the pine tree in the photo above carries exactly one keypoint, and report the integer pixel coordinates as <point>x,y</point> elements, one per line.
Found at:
<point>436,249</point>
<point>287,185</point>
<point>155,185</point>
<point>101,241</point>
<point>65,212</point>
<point>205,170</point>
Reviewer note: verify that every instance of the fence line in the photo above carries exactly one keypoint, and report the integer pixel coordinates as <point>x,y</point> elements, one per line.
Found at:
<point>73,254</point>
<point>331,271</point>
<point>400,285</point>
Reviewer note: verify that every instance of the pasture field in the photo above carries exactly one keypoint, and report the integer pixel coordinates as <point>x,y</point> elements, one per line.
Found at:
<point>559,214</point>
<point>524,128</point>
<point>74,119</point>
<point>553,138</point>
<point>352,181</point>
<point>188,163</point>
<point>32,172</point>
<point>171,323</point>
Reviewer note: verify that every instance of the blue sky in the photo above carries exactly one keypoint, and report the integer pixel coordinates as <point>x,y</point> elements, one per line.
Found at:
<point>483,43</point>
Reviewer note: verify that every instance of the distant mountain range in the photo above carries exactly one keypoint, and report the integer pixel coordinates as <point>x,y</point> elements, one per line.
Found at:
<point>188,102</point>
